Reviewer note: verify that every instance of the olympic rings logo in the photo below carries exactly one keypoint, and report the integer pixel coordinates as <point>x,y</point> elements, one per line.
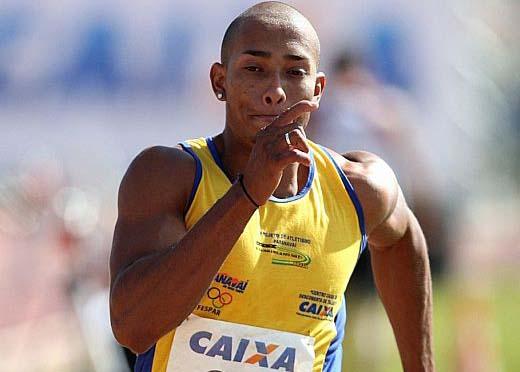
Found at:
<point>219,299</point>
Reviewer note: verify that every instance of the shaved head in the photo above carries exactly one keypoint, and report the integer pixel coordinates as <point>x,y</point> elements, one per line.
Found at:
<point>274,14</point>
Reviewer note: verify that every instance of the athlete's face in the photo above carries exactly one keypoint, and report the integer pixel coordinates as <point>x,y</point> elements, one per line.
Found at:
<point>270,68</point>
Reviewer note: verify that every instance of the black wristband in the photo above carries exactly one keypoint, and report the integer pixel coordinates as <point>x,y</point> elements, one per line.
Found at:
<point>240,179</point>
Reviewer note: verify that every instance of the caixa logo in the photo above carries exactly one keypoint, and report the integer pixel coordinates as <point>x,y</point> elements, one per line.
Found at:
<point>227,348</point>
<point>322,311</point>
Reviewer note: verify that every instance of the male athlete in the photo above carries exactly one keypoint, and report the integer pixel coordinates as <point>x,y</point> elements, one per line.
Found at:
<point>233,253</point>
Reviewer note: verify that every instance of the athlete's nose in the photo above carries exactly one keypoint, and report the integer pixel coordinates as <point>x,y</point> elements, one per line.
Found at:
<point>275,94</point>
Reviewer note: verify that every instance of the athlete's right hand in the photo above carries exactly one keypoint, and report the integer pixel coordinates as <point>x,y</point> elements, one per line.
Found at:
<point>271,153</point>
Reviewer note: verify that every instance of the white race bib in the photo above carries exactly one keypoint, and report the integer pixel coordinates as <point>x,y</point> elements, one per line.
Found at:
<point>207,345</point>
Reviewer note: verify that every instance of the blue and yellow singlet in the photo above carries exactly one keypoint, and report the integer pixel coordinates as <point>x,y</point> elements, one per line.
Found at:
<point>277,302</point>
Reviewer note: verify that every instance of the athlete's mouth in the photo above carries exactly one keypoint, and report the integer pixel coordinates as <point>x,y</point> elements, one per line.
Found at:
<point>264,119</point>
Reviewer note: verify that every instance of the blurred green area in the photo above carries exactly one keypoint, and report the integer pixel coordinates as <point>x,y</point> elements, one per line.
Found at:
<point>473,332</point>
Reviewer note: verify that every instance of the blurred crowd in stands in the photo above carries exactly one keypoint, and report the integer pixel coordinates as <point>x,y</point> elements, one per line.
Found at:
<point>432,88</point>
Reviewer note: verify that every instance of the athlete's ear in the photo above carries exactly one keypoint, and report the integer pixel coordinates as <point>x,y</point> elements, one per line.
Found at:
<point>217,76</point>
<point>319,87</point>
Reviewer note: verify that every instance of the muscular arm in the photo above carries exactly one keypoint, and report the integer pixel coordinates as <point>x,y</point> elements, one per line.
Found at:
<point>402,276</point>
<point>159,271</point>
<point>399,258</point>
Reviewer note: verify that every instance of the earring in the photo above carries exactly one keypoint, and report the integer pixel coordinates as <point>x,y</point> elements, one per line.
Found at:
<point>220,96</point>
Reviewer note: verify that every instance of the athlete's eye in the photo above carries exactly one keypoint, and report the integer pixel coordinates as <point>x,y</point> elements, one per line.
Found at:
<point>253,68</point>
<point>297,72</point>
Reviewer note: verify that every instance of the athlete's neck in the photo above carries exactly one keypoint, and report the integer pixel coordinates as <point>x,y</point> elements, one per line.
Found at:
<point>234,155</point>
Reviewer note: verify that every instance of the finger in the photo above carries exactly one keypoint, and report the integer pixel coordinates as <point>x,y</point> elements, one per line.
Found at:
<point>294,156</point>
<point>297,140</point>
<point>302,131</point>
<point>278,131</point>
<point>294,112</point>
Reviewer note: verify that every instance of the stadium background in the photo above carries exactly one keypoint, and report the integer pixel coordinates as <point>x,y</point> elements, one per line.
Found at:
<point>85,85</point>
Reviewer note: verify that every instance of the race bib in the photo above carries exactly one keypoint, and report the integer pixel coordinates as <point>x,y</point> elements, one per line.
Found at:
<point>207,345</point>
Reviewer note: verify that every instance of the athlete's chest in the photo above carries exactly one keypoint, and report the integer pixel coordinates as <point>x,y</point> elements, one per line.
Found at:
<point>285,268</point>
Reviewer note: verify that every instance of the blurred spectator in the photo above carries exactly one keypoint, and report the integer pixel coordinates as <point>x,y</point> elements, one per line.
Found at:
<point>358,112</point>
<point>54,295</point>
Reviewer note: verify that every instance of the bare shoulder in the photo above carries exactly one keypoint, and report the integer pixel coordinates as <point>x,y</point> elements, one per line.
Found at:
<point>374,182</point>
<point>159,178</point>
